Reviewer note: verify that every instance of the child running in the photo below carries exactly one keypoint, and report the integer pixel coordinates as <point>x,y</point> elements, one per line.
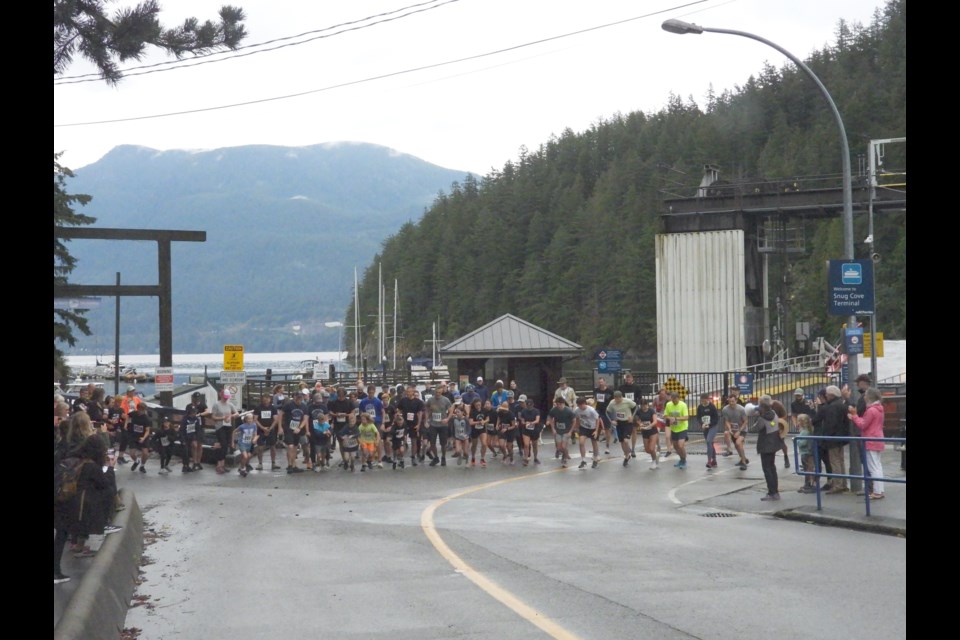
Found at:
<point>461,433</point>
<point>165,438</point>
<point>369,439</point>
<point>398,439</point>
<point>244,438</point>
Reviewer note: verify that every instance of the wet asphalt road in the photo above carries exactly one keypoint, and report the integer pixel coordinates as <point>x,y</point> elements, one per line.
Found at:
<point>605,553</point>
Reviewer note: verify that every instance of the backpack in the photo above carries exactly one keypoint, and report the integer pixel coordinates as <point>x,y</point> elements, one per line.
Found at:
<point>65,478</point>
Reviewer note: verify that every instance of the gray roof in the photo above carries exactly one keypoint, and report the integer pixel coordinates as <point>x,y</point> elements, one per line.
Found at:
<point>510,335</point>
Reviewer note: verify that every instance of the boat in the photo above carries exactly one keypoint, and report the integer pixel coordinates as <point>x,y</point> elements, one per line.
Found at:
<point>307,369</point>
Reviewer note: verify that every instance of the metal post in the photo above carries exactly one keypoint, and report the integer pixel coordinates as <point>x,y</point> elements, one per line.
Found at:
<point>116,344</point>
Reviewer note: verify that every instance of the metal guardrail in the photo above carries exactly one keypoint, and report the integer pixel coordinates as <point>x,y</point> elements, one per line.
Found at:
<point>865,476</point>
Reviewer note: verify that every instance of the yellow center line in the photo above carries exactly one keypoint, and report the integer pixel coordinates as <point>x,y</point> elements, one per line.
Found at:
<point>493,589</point>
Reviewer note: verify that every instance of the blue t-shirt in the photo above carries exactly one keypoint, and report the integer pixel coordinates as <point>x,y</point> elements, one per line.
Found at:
<point>246,430</point>
<point>374,407</point>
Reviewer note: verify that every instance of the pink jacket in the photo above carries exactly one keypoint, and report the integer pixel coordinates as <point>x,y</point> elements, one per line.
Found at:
<point>871,426</point>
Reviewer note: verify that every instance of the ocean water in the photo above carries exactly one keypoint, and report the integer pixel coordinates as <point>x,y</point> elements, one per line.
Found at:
<point>195,364</point>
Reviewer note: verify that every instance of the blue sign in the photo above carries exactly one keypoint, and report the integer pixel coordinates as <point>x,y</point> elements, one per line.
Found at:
<point>850,288</point>
<point>608,354</point>
<point>854,341</point>
<point>608,366</point>
<point>744,382</point>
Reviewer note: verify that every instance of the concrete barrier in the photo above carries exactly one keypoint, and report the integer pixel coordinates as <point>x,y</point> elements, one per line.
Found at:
<point>99,606</point>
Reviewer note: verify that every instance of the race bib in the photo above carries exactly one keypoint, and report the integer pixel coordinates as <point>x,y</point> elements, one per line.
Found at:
<point>436,416</point>
<point>410,416</point>
<point>266,415</point>
<point>138,428</point>
<point>191,428</point>
<point>628,396</point>
<point>371,411</point>
<point>165,442</point>
<point>621,415</point>
<point>247,437</point>
<point>294,424</point>
<point>601,397</point>
<point>350,441</point>
<point>341,419</point>
<point>705,420</point>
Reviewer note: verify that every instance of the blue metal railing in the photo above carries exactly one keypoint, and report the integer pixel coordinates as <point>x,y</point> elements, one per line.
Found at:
<point>865,477</point>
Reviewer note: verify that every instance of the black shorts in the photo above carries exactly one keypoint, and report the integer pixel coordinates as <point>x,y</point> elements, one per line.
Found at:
<point>676,436</point>
<point>533,434</point>
<point>398,443</point>
<point>475,432</point>
<point>350,449</point>
<point>267,440</point>
<point>646,434</point>
<point>604,418</point>
<point>133,442</point>
<point>587,433</point>
<point>509,435</point>
<point>441,431</point>
<point>291,437</point>
<point>320,439</point>
<point>624,430</point>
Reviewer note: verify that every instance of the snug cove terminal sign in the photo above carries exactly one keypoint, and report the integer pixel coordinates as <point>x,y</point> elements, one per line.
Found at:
<point>850,287</point>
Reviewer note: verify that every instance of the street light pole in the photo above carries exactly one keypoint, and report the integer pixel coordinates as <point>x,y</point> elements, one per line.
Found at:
<point>681,27</point>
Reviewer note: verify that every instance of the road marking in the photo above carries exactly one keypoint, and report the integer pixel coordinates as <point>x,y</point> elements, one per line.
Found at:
<point>672,494</point>
<point>493,589</point>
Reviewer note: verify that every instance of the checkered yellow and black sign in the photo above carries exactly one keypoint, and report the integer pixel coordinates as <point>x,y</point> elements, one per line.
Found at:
<point>672,384</point>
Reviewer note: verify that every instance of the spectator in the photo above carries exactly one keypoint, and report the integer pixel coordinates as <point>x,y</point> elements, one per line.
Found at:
<point>835,424</point>
<point>871,426</point>
<point>768,444</point>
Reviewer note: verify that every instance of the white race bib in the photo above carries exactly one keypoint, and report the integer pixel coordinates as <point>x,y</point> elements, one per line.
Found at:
<point>437,416</point>
<point>265,414</point>
<point>410,416</point>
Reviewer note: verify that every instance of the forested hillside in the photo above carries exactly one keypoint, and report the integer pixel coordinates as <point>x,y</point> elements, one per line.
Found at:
<point>564,235</point>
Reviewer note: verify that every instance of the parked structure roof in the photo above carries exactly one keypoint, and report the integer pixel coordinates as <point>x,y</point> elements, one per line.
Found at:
<point>509,335</point>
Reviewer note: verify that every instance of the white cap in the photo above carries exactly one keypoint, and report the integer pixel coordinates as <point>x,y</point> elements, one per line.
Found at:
<point>522,398</point>
<point>479,378</point>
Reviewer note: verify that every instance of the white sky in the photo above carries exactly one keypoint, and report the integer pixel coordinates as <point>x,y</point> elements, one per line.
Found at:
<point>471,116</point>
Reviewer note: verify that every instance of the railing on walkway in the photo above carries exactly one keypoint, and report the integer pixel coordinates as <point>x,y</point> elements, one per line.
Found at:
<point>817,474</point>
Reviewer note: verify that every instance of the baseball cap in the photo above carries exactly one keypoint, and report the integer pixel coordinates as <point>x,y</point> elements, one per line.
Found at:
<point>798,392</point>
<point>130,388</point>
<point>618,394</point>
<point>834,391</point>
<point>227,394</point>
<point>479,378</point>
<point>562,381</point>
<point>523,397</point>
<point>305,392</point>
<point>197,394</point>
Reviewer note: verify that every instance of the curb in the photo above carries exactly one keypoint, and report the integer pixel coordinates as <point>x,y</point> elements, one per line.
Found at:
<point>885,528</point>
<point>98,607</point>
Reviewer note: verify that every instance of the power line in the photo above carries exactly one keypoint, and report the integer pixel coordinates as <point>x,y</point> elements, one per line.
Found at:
<point>381,76</point>
<point>173,65</point>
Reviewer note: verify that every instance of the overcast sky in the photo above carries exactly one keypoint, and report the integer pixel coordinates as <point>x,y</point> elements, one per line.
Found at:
<point>472,115</point>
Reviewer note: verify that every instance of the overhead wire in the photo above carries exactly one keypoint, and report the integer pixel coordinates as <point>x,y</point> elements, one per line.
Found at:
<point>381,76</point>
<point>173,65</point>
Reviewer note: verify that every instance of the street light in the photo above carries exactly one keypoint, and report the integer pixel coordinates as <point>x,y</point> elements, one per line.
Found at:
<point>680,27</point>
<point>334,324</point>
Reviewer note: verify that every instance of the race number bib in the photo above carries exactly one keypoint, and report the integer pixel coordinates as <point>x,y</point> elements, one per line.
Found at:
<point>246,437</point>
<point>191,428</point>
<point>705,421</point>
<point>266,415</point>
<point>436,416</point>
<point>294,425</point>
<point>411,416</point>
<point>601,397</point>
<point>371,411</point>
<point>165,441</point>
<point>341,419</point>
<point>628,396</point>
<point>621,415</point>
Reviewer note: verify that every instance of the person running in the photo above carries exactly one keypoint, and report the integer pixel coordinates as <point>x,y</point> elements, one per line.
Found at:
<point>321,434</point>
<point>373,406</point>
<point>369,437</point>
<point>439,411</point>
<point>139,427</point>
<point>588,425</point>
<point>709,419</point>
<point>647,426</point>
<point>659,402</point>
<point>223,412</point>
<point>245,438</point>
<point>316,415</point>
<point>499,395</point>
<point>620,411</point>
<point>268,426</point>
<point>190,425</point>
<point>164,439</point>
<point>734,418</point>
<point>560,419</point>
<point>201,410</point>
<point>632,392</point>
<point>478,433</point>
<point>113,415</point>
<point>506,425</point>
<point>678,416</point>
<point>396,430</point>
<point>602,395</point>
<point>341,414</point>
<point>411,408</point>
<point>127,404</point>
<point>350,444</point>
<point>530,426</point>
<point>490,438</point>
<point>293,418</point>
<point>461,433</point>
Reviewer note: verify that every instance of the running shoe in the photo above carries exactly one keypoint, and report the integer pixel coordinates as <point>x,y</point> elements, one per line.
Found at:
<point>626,461</point>
<point>136,463</point>
<point>143,468</point>
<point>536,461</point>
<point>595,464</point>
<point>654,464</point>
<point>59,578</point>
<point>443,462</point>
<point>483,463</point>
<point>111,528</point>
<point>259,467</point>
<point>583,464</point>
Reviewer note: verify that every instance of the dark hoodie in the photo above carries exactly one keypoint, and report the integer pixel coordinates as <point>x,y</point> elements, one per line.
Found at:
<point>768,437</point>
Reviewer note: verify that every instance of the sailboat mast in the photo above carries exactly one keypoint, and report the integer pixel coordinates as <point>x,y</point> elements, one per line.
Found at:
<point>394,324</point>
<point>356,322</point>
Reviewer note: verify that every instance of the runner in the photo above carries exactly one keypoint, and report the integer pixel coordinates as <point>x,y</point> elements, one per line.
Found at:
<point>369,436</point>
<point>461,433</point>
<point>244,439</point>
<point>197,402</point>
<point>478,432</point>
<point>560,419</point>
<point>397,431</point>
<point>530,427</point>
<point>317,415</point>
<point>491,437</point>
<point>648,431</point>
<point>190,426</point>
<point>620,411</point>
<point>321,434</point>
<point>138,433</point>
<point>677,417</point>
<point>602,395</point>
<point>341,413</point>
<point>411,408</point>
<point>164,439</point>
<point>588,424</point>
<point>506,430</point>
<point>223,413</point>
<point>658,404</point>
<point>709,419</point>
<point>734,418</point>
<point>268,426</point>
<point>373,406</point>
<point>632,392</point>
<point>439,410</point>
<point>293,419</point>
<point>350,444</point>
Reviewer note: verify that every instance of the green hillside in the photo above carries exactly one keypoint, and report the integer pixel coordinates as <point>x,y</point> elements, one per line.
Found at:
<point>564,235</point>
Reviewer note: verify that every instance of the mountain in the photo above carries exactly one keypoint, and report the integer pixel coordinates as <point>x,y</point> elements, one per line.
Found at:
<point>285,228</point>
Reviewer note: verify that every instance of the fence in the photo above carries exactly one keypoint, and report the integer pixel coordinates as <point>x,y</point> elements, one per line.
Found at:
<point>817,474</point>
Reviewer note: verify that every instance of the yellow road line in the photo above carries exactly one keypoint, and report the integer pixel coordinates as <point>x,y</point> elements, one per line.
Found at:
<point>493,589</point>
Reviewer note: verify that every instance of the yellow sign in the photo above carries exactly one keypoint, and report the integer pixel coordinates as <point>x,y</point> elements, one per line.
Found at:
<point>233,357</point>
<point>672,384</point>
<point>868,345</point>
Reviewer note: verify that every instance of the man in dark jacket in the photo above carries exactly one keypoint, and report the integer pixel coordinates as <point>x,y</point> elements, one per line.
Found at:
<point>768,444</point>
<point>834,417</point>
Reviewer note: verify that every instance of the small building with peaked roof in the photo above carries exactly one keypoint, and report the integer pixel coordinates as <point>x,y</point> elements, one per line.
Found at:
<point>510,348</point>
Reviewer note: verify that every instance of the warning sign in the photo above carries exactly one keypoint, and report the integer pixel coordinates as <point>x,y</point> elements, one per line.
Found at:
<point>233,357</point>
<point>672,384</point>
<point>163,380</point>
